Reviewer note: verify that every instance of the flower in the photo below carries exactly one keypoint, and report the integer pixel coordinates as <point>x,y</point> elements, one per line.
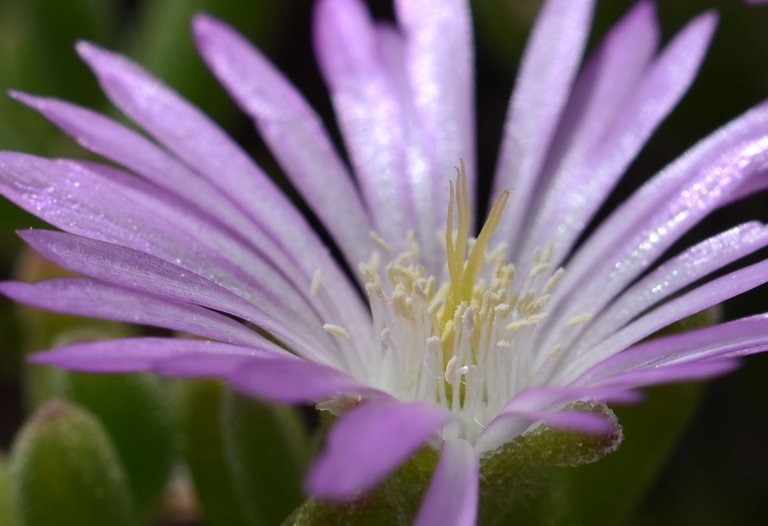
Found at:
<point>465,343</point>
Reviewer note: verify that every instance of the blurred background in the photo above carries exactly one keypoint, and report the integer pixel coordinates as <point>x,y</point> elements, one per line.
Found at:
<point>709,443</point>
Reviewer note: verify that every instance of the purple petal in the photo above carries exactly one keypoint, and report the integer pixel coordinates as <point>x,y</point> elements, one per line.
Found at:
<point>693,264</point>
<point>440,74</point>
<point>206,149</point>
<point>544,82</point>
<point>368,443</point>
<point>671,373</point>
<point>87,297</point>
<point>103,203</point>
<point>716,291</point>
<point>152,354</point>
<point>668,206</point>
<point>295,381</point>
<point>292,130</point>
<point>122,145</point>
<point>142,272</point>
<point>451,499</point>
<point>578,193</point>
<point>370,115</point>
<point>736,338</point>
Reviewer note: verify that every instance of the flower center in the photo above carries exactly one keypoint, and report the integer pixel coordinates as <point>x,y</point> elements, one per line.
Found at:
<point>465,340</point>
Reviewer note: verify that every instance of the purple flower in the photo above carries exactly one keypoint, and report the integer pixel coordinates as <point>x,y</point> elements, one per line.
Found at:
<point>456,347</point>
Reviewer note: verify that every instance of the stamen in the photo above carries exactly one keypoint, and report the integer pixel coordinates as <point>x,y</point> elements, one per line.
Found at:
<point>466,340</point>
<point>580,318</point>
<point>317,276</point>
<point>379,241</point>
<point>336,330</point>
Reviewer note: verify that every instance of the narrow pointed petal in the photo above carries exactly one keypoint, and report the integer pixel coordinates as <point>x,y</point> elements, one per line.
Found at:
<point>132,355</point>
<point>106,204</point>
<point>735,338</point>
<point>452,496</point>
<point>547,72</point>
<point>664,209</point>
<point>207,150</point>
<point>672,276</point>
<point>87,297</point>
<point>114,141</point>
<point>369,114</point>
<point>292,130</point>
<point>143,272</point>
<point>440,73</point>
<point>672,373</point>
<point>580,359</point>
<point>580,188</point>
<point>296,381</point>
<point>716,157</point>
<point>370,442</point>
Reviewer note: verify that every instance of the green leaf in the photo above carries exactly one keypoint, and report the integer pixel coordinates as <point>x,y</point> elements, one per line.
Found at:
<point>268,449</point>
<point>7,509</point>
<point>136,412</point>
<point>65,471</point>
<point>200,405</point>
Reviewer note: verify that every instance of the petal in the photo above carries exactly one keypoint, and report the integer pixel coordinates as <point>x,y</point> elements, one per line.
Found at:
<point>672,373</point>
<point>736,338</point>
<point>206,149</point>
<point>672,276</point>
<point>150,354</point>
<point>451,499</point>
<point>106,204</point>
<point>579,360</point>
<point>369,113</point>
<point>124,146</point>
<point>370,442</point>
<point>143,272</point>
<point>87,297</point>
<point>581,187</point>
<point>438,59</point>
<point>729,158</point>
<point>547,72</point>
<point>295,381</point>
<point>292,130</point>
<point>646,225</point>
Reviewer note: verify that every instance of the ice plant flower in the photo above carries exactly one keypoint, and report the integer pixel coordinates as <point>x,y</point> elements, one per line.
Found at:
<point>464,342</point>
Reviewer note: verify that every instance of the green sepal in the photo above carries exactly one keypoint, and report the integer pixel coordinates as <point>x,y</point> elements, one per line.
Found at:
<point>8,515</point>
<point>65,471</point>
<point>607,492</point>
<point>512,475</point>
<point>652,429</point>
<point>394,502</point>
<point>200,406</point>
<point>267,446</point>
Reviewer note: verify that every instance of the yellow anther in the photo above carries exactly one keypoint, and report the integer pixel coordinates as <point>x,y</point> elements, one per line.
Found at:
<point>579,319</point>
<point>317,277</point>
<point>336,330</point>
<point>379,242</point>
